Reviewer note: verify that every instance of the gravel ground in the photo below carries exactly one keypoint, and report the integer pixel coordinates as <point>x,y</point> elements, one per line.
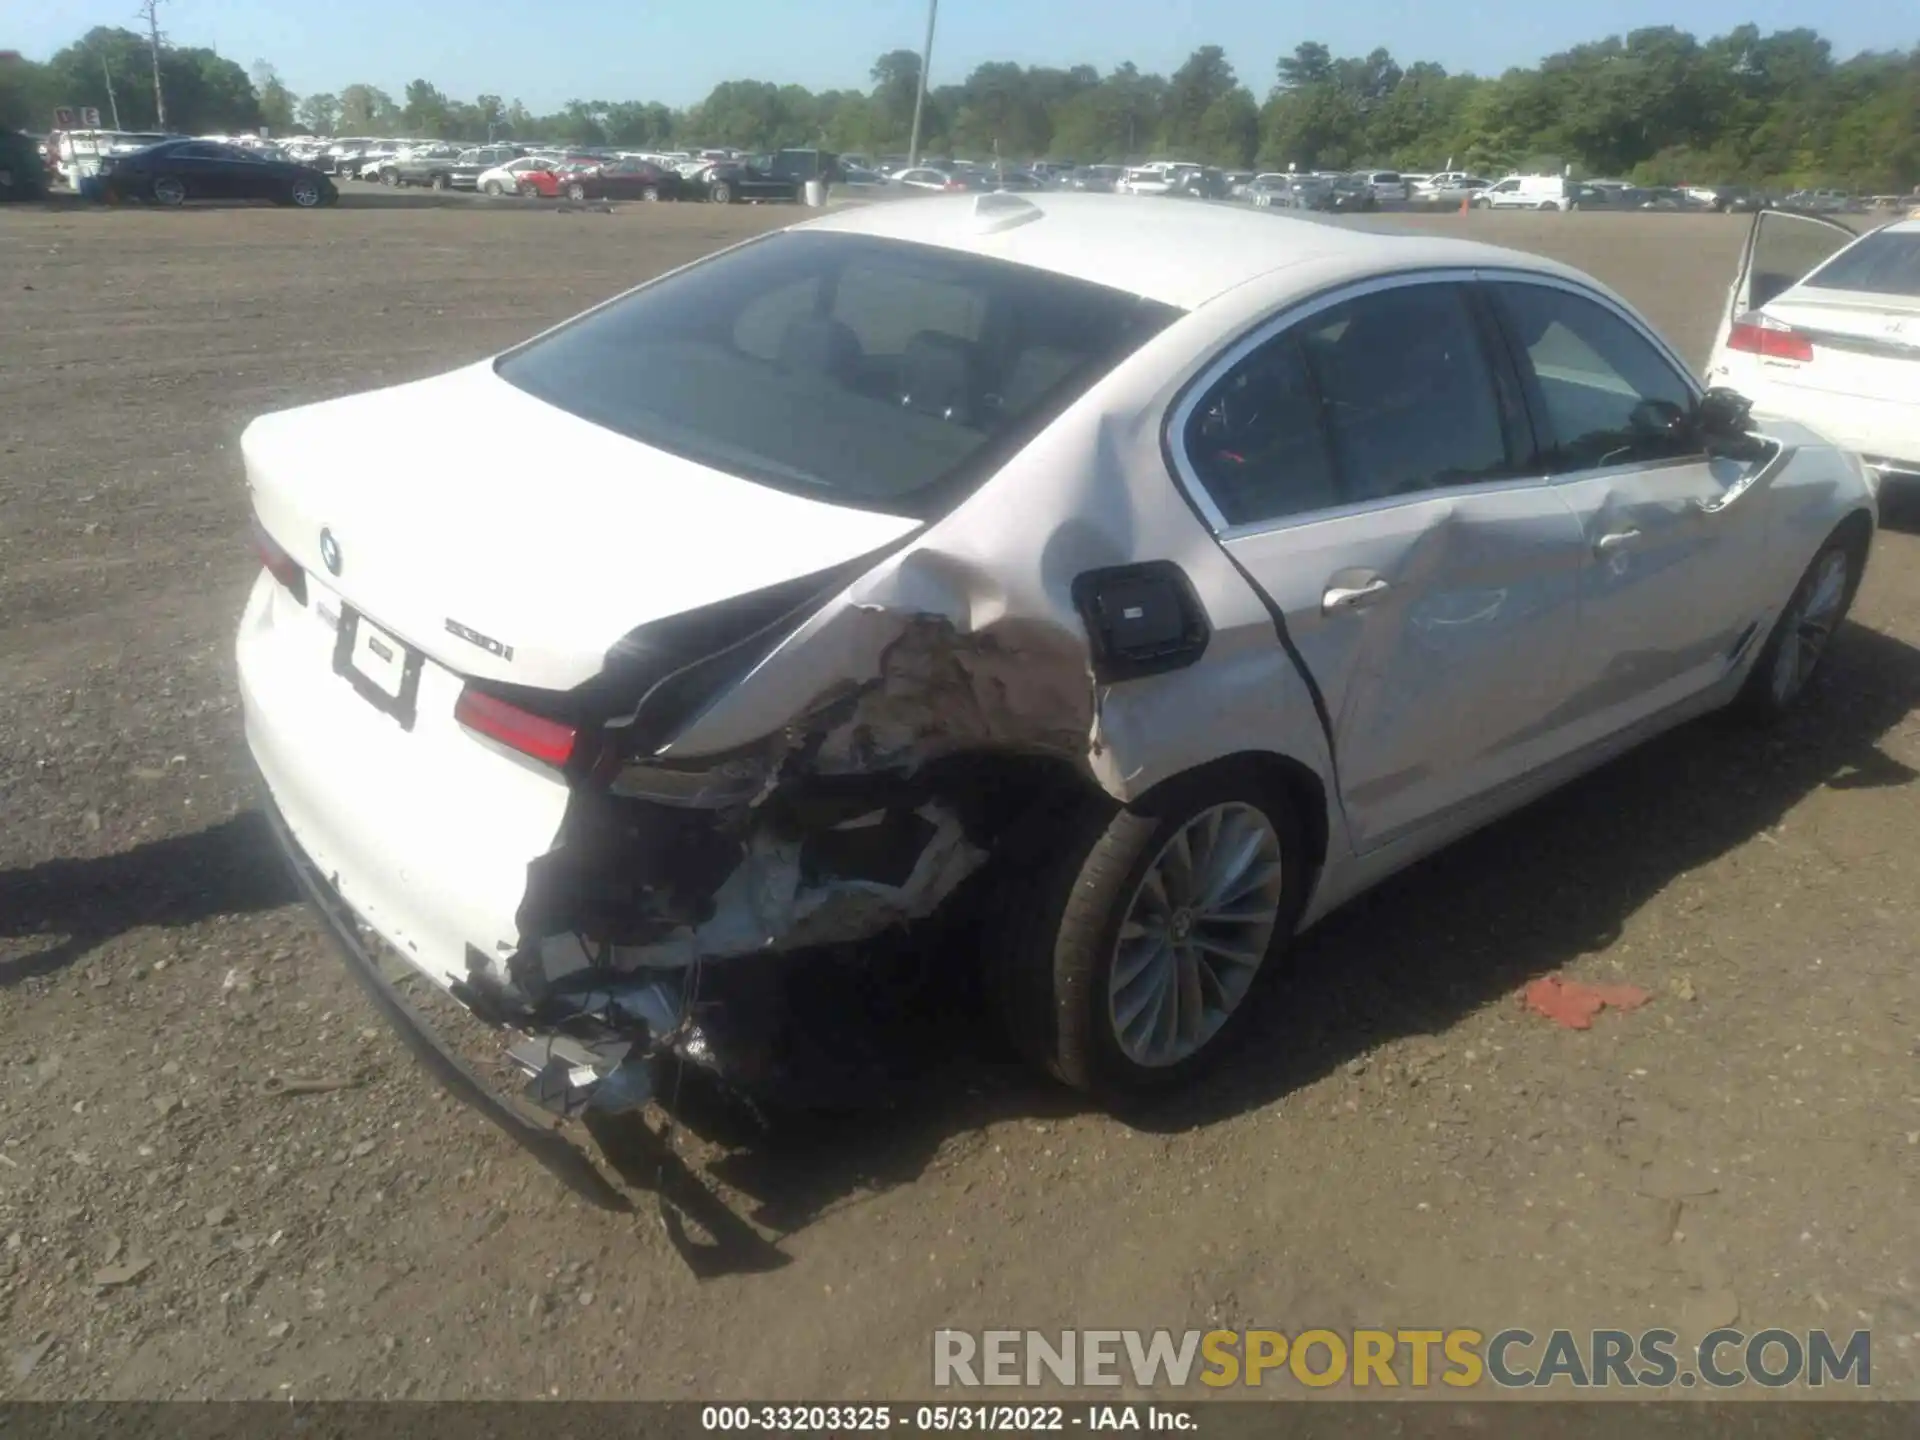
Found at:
<point>221,1176</point>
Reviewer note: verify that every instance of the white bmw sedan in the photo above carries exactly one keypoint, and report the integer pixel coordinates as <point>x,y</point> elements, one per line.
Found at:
<point>1823,325</point>
<point>1154,578</point>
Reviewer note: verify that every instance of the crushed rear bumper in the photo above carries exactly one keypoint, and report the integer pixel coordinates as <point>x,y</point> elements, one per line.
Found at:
<point>552,1150</point>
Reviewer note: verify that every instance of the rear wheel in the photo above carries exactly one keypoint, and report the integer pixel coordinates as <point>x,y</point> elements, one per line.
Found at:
<point>1126,959</point>
<point>388,178</point>
<point>1791,659</point>
<point>493,187</point>
<point>305,193</point>
<point>439,182</point>
<point>169,190</point>
<point>1546,205</point>
<point>576,191</point>
<point>721,193</point>
<point>651,192</point>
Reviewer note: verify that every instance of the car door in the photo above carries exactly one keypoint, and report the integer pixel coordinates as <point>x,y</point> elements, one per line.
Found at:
<point>251,178</point>
<point>199,168</point>
<point>1671,585</point>
<point>1366,461</point>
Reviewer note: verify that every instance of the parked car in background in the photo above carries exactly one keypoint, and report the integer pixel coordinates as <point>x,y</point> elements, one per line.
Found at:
<point>421,165</point>
<point>506,179</point>
<point>176,171</point>
<point>1387,185</point>
<point>1529,192</point>
<point>733,181</point>
<point>1823,326</point>
<point>928,179</point>
<point>1206,184</point>
<point>546,177</point>
<point>1095,179</point>
<point>624,180</point>
<point>1449,187</point>
<point>1353,194</point>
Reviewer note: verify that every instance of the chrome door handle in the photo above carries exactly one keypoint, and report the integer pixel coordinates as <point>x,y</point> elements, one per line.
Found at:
<point>1340,597</point>
<point>1616,540</point>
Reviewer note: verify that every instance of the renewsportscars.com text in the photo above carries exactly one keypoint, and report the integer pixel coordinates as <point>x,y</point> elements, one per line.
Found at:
<point>1392,1359</point>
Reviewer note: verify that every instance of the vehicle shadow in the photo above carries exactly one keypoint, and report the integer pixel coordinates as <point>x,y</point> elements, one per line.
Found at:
<point>1527,896</point>
<point>229,868</point>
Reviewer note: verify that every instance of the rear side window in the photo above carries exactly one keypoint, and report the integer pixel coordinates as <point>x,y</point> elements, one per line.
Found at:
<point>862,372</point>
<point>1880,264</point>
<point>1383,395</point>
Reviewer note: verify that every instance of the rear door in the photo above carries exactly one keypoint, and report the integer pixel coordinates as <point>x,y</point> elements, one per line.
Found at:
<point>1672,538</point>
<point>1366,461</point>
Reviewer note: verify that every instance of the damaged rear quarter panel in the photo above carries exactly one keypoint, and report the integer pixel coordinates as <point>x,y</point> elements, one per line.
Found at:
<point>967,638</point>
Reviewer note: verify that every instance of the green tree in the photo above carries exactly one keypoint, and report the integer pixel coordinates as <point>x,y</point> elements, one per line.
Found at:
<point>1195,88</point>
<point>276,101</point>
<point>319,112</point>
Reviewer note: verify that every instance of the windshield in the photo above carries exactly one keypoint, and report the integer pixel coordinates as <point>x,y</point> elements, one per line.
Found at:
<point>863,372</point>
<point>1883,263</point>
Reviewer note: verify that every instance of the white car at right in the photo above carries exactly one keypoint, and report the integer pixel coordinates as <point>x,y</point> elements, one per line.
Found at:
<point>1823,327</point>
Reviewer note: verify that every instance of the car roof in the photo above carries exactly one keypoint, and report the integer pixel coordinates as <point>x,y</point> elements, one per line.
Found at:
<point>1180,254</point>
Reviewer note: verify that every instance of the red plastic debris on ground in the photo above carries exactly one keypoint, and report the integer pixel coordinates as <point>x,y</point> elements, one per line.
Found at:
<point>1572,1005</point>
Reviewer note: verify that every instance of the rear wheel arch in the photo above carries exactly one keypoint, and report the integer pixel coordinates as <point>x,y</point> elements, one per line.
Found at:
<point>1301,786</point>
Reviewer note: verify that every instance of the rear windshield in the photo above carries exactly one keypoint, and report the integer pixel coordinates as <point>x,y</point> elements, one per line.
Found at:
<point>862,372</point>
<point>1887,263</point>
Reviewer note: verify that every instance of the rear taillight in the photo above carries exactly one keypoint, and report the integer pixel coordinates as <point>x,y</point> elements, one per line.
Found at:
<point>953,185</point>
<point>1762,335</point>
<point>532,735</point>
<point>282,566</point>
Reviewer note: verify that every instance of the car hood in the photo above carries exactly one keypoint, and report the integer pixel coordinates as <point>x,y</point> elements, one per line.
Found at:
<point>462,504</point>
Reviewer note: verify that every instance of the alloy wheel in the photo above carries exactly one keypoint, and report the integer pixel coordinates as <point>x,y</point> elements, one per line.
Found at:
<point>1815,610</point>
<point>1194,934</point>
<point>305,193</point>
<point>169,190</point>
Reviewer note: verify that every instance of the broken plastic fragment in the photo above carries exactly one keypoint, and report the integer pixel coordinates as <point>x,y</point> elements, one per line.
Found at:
<point>1572,1005</point>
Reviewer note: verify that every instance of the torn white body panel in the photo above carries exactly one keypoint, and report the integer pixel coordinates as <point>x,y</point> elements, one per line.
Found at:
<point>766,904</point>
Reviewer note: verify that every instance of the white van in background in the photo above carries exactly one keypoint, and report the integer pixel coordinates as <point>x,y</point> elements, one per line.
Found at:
<point>1530,192</point>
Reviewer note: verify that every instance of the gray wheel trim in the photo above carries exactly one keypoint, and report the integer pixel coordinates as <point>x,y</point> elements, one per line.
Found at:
<point>308,187</point>
<point>1194,934</point>
<point>175,186</point>
<point>1809,623</point>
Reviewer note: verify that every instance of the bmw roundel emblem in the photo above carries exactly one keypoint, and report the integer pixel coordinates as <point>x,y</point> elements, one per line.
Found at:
<point>330,552</point>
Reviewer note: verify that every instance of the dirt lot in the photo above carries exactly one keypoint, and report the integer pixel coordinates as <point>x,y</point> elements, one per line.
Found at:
<point>1399,1145</point>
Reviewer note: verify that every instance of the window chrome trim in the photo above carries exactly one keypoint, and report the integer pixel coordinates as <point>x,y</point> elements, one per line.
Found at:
<point>1174,428</point>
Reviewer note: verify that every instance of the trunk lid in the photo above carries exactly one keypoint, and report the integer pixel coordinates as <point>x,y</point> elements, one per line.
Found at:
<point>461,507</point>
<point>1863,345</point>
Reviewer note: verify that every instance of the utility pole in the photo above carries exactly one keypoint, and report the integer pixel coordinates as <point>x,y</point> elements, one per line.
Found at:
<point>113,100</point>
<point>150,12</point>
<point>920,97</point>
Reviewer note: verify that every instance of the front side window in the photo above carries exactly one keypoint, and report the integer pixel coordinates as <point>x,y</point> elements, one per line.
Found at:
<point>1383,395</point>
<point>1609,396</point>
<point>858,371</point>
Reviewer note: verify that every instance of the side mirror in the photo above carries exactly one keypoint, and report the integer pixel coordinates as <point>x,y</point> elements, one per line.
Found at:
<point>1723,414</point>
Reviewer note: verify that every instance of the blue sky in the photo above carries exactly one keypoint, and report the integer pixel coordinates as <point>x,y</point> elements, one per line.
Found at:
<point>548,51</point>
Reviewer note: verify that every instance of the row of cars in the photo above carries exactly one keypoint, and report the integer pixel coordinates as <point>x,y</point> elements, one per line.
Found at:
<point>566,173</point>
